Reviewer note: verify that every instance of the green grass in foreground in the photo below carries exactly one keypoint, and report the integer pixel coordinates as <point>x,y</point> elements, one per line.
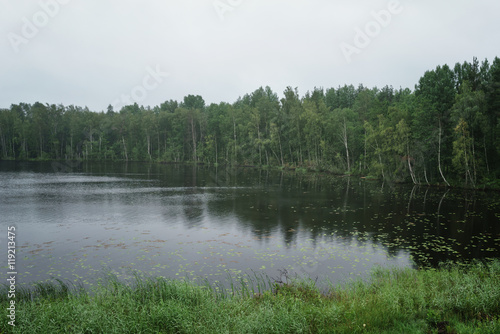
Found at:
<point>452,299</point>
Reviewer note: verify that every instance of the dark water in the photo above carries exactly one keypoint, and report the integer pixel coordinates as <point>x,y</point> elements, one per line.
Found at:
<point>76,221</point>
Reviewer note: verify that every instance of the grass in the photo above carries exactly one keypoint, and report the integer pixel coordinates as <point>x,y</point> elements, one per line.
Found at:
<point>451,299</point>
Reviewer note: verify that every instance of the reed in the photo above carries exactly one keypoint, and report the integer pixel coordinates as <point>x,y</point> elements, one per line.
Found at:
<point>451,299</point>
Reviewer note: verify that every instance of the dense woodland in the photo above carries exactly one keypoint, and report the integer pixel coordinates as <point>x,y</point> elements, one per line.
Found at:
<point>445,131</point>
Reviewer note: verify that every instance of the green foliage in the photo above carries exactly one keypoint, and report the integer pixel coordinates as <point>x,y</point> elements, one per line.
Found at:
<point>397,135</point>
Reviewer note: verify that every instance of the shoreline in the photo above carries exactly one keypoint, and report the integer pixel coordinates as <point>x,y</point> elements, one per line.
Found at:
<point>450,299</point>
<point>302,170</point>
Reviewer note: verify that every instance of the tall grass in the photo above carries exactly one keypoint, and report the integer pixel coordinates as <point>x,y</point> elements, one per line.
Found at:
<point>450,299</point>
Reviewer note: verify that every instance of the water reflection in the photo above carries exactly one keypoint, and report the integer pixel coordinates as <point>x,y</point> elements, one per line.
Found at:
<point>175,221</point>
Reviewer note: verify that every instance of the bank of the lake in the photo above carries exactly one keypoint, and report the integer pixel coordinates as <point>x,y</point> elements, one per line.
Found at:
<point>450,299</point>
<point>489,184</point>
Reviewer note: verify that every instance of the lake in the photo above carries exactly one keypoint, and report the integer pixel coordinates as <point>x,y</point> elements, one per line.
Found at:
<point>78,221</point>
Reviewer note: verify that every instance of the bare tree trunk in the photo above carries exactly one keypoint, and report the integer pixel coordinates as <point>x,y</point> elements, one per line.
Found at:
<point>216,151</point>
<point>23,147</point>
<point>124,148</point>
<point>201,136</point>
<point>380,160</point>
<point>260,147</point>
<point>439,156</point>
<point>277,158</point>
<point>412,174</point>
<point>425,175</point>
<point>467,169</point>
<point>364,156</point>
<point>344,140</point>
<point>158,141</point>
<point>316,153</point>
<point>464,138</point>
<point>300,143</point>
<point>4,147</point>
<point>41,144</point>
<point>486,155</point>
<point>165,145</point>
<point>281,150</point>
<point>91,139</point>
<point>148,139</point>
<point>234,136</point>
<point>193,133</point>
<point>474,160</point>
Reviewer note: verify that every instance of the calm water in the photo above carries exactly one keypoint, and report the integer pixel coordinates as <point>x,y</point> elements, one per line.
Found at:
<point>77,221</point>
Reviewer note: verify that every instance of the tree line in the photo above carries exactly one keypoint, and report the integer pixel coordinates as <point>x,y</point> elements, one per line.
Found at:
<point>446,130</point>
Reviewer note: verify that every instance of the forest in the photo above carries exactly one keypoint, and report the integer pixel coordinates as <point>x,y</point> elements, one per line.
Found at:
<point>445,131</point>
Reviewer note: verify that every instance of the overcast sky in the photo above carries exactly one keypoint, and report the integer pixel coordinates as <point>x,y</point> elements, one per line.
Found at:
<point>95,53</point>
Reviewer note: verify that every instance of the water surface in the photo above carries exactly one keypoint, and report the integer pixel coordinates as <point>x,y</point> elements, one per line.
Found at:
<point>80,221</point>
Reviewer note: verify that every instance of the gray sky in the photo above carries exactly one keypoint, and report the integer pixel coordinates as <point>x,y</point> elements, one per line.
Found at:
<point>95,53</point>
